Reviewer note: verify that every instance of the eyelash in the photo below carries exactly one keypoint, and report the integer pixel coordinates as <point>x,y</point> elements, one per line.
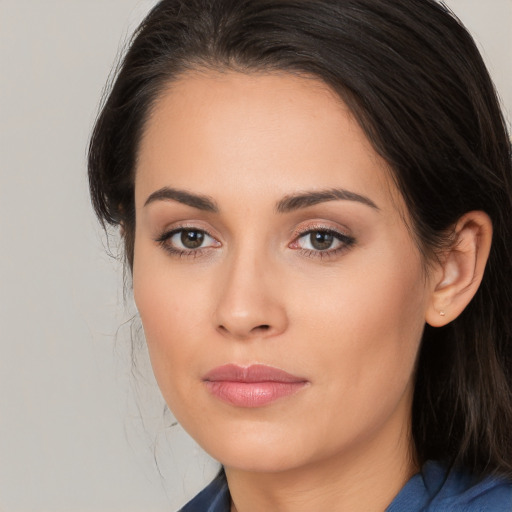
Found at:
<point>346,242</point>
<point>164,239</point>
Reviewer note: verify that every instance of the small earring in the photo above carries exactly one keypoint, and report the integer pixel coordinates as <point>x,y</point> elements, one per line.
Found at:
<point>442,313</point>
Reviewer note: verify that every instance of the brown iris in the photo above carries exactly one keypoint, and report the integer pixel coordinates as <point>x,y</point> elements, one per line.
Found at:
<point>192,239</point>
<point>321,240</point>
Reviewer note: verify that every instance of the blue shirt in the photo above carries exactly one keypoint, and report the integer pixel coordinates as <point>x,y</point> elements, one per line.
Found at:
<point>432,490</point>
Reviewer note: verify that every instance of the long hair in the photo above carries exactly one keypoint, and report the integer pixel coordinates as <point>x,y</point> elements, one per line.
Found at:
<point>415,81</point>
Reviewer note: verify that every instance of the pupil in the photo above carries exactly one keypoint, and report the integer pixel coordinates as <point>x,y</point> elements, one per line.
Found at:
<point>192,239</point>
<point>321,241</point>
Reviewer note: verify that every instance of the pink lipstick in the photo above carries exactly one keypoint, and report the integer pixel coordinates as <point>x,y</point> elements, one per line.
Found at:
<point>253,386</point>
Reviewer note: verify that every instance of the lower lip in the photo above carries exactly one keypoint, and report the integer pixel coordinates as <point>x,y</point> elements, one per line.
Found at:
<point>252,394</point>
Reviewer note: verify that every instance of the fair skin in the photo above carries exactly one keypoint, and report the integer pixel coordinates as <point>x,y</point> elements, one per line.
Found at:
<point>333,290</point>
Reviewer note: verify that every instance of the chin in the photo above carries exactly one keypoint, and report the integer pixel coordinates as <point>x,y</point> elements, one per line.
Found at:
<point>257,449</point>
<point>258,460</point>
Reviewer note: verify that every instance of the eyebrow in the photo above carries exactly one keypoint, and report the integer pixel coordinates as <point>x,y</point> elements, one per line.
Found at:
<point>288,204</point>
<point>304,199</point>
<point>200,202</point>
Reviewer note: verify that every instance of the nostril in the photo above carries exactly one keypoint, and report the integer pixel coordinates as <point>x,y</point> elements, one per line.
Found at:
<point>262,328</point>
<point>243,332</point>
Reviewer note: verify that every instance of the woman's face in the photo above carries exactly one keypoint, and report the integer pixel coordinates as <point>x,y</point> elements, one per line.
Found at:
<point>270,237</point>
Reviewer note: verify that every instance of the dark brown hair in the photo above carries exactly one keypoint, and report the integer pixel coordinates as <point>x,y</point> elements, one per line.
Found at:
<point>414,79</point>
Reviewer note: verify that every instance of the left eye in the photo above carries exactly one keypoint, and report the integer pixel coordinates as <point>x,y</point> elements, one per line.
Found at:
<point>322,240</point>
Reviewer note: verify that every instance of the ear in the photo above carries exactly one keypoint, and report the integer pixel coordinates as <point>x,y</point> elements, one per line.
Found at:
<point>461,269</point>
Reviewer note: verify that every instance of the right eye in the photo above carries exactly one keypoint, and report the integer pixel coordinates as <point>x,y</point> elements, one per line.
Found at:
<point>187,241</point>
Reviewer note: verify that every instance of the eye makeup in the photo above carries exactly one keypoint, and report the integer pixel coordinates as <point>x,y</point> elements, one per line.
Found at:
<point>187,241</point>
<point>318,240</point>
<point>313,241</point>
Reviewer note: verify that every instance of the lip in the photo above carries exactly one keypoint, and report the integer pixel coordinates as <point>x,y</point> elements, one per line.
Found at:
<point>252,386</point>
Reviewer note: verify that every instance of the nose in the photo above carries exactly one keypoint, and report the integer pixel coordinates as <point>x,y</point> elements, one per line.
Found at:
<point>251,301</point>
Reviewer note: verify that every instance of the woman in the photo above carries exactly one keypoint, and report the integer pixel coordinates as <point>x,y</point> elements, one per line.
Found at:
<point>315,200</point>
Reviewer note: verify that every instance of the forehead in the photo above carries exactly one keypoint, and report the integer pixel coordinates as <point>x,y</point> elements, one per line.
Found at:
<point>263,133</point>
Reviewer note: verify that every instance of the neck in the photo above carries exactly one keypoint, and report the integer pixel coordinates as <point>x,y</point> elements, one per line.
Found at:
<point>365,478</point>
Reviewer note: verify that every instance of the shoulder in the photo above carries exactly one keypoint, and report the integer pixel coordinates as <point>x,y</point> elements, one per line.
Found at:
<point>435,489</point>
<point>461,492</point>
<point>213,498</point>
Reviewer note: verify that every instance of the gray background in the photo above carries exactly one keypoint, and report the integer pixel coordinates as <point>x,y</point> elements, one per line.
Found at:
<point>79,432</point>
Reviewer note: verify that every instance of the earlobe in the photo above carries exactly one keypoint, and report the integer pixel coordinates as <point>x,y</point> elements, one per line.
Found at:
<point>461,269</point>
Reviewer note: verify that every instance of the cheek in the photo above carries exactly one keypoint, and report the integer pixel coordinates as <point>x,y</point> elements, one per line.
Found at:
<point>365,332</point>
<point>171,308</point>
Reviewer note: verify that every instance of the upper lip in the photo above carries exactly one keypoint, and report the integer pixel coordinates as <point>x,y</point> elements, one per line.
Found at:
<point>253,373</point>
